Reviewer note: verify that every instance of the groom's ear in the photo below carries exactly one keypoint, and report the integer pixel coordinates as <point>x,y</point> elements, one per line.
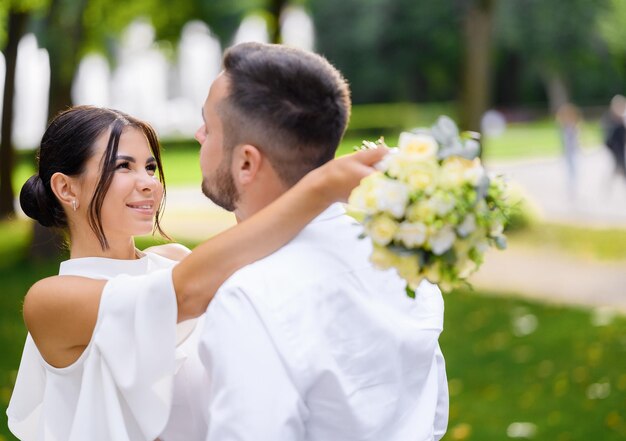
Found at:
<point>247,160</point>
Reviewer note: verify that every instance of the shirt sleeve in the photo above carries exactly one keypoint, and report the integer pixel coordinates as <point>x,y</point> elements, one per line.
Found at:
<point>443,400</point>
<point>252,395</point>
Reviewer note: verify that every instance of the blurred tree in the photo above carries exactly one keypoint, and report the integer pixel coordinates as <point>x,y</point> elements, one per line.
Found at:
<point>275,8</point>
<point>557,41</point>
<point>392,50</point>
<point>612,28</point>
<point>16,13</point>
<point>62,35</point>
<point>476,73</point>
<point>16,26</point>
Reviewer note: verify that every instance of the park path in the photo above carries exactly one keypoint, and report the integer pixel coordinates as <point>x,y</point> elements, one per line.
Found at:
<point>537,273</point>
<point>597,200</point>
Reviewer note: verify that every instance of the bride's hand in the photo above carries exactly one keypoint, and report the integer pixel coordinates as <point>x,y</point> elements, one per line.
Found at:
<point>336,179</point>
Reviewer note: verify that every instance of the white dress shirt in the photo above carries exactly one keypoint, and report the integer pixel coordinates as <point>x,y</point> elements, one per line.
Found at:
<point>313,343</point>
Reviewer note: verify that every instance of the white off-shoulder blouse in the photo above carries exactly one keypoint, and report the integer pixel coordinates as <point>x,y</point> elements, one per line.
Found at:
<point>122,387</point>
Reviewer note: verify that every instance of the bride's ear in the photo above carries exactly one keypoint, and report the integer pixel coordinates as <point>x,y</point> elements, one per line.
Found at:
<point>247,160</point>
<point>66,190</point>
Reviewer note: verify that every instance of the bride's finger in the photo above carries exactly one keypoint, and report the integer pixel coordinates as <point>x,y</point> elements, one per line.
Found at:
<point>370,156</point>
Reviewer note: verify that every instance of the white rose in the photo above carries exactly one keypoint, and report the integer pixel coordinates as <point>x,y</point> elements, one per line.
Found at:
<point>412,234</point>
<point>420,146</point>
<point>442,240</point>
<point>382,229</point>
<point>387,161</point>
<point>392,197</point>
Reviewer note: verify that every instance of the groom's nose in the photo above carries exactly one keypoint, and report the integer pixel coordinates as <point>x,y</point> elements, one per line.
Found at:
<point>200,134</point>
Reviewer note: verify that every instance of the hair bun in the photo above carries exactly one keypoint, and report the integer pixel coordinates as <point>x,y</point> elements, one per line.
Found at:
<point>35,202</point>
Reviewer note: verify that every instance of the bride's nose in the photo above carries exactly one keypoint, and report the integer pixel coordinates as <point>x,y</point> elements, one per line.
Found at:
<point>147,182</point>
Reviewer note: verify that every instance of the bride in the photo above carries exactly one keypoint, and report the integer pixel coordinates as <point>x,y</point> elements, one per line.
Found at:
<point>108,367</point>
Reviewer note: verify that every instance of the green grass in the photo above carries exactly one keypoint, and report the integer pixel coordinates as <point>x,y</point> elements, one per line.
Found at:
<point>567,377</point>
<point>535,139</point>
<point>14,238</point>
<point>585,243</point>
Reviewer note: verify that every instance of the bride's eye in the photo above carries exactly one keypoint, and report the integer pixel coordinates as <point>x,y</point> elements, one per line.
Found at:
<point>151,168</point>
<point>123,165</point>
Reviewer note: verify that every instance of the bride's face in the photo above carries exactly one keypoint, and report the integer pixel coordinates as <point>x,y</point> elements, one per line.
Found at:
<point>135,193</point>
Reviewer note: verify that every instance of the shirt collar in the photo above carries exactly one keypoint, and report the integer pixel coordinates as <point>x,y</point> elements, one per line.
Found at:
<point>333,211</point>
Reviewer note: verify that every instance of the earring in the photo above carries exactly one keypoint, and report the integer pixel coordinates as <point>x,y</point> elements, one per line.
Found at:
<point>74,204</point>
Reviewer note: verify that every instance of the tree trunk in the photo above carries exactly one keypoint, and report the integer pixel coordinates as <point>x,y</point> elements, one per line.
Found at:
<point>275,8</point>
<point>475,83</point>
<point>62,36</point>
<point>556,90</point>
<point>17,24</point>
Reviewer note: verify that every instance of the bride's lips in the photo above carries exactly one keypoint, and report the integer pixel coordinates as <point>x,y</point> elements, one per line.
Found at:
<point>144,207</point>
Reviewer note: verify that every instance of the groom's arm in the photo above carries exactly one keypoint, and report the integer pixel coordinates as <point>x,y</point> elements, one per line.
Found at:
<point>251,394</point>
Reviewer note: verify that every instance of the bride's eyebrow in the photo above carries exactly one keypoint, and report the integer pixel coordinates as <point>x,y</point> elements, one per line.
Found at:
<point>133,160</point>
<point>125,158</point>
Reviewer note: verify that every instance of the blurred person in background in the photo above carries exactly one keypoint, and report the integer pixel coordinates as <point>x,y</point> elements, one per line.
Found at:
<point>568,118</point>
<point>615,135</point>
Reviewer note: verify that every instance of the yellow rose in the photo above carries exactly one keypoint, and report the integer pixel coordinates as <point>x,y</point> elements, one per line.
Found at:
<point>421,211</point>
<point>382,229</point>
<point>475,173</point>
<point>364,197</point>
<point>462,247</point>
<point>408,268</point>
<point>453,171</point>
<point>382,258</point>
<point>431,272</point>
<point>421,176</point>
<point>465,267</point>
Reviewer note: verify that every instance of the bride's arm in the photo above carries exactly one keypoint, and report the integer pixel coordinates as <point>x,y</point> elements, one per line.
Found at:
<point>198,276</point>
<point>61,311</point>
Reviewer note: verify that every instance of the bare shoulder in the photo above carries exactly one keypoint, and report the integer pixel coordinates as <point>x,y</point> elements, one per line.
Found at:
<point>60,312</point>
<point>55,293</point>
<point>173,251</point>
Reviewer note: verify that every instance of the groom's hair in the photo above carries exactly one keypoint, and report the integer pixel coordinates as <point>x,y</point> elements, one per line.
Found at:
<point>291,104</point>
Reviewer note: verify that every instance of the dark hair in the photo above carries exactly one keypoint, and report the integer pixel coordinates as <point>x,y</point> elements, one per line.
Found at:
<point>66,146</point>
<point>291,104</point>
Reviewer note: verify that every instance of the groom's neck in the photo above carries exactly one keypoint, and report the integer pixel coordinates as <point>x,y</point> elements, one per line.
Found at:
<point>251,203</point>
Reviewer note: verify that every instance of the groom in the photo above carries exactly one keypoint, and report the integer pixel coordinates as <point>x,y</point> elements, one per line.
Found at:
<point>311,342</point>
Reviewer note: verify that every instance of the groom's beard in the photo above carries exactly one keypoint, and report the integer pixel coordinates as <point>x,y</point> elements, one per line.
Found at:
<point>220,188</point>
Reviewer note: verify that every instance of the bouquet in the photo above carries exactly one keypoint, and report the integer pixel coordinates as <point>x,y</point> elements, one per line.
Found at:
<point>431,210</point>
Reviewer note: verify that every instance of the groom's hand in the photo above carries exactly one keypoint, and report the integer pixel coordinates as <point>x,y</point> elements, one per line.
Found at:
<point>340,176</point>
